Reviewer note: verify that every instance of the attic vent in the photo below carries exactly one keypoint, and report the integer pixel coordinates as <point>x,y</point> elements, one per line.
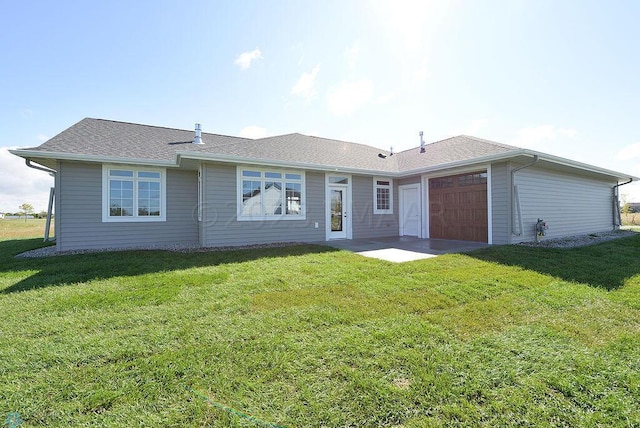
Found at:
<point>198,139</point>
<point>422,150</point>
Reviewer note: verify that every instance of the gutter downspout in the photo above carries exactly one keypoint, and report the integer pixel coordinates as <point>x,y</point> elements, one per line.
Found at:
<point>617,216</point>
<point>41,168</point>
<point>52,173</point>
<point>515,197</point>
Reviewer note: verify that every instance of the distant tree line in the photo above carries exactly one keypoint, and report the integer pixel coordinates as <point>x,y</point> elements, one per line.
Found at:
<point>41,214</point>
<point>26,211</point>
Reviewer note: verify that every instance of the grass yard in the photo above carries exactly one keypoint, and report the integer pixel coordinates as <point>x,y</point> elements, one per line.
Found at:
<point>630,219</point>
<point>19,228</point>
<point>310,336</point>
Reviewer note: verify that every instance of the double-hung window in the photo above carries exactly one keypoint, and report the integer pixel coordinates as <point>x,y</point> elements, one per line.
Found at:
<point>133,194</point>
<point>382,196</point>
<point>270,194</point>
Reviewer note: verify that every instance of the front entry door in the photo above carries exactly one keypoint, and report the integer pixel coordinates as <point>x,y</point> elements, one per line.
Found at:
<point>338,212</point>
<point>410,211</point>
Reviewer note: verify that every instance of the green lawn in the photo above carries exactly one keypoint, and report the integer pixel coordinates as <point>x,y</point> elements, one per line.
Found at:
<point>310,336</point>
<point>19,228</point>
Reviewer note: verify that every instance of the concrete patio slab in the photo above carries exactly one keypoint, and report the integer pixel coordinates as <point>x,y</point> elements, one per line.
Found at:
<point>395,255</point>
<point>404,248</point>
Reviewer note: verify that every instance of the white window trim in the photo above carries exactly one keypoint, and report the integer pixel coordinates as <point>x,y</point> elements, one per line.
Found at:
<point>375,195</point>
<point>106,218</point>
<point>303,196</point>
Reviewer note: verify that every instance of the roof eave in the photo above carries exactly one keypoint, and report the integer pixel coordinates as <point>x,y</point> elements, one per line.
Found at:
<point>514,154</point>
<point>579,165</point>
<point>281,164</point>
<point>36,154</point>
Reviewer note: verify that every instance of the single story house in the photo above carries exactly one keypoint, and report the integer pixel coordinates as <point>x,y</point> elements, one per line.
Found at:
<point>121,184</point>
<point>633,207</point>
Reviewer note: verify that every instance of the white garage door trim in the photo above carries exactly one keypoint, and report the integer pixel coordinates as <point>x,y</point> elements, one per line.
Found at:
<point>425,195</point>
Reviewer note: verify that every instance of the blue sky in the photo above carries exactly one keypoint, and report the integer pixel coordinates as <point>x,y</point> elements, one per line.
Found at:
<point>561,77</point>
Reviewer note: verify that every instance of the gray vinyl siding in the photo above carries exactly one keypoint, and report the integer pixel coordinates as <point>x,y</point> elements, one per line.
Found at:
<point>365,223</point>
<point>500,196</point>
<point>570,204</point>
<point>79,215</point>
<point>222,228</point>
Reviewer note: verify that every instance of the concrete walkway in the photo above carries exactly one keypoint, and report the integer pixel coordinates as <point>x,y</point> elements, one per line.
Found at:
<point>403,248</point>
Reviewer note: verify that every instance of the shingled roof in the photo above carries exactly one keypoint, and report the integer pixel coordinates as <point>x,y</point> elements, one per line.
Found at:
<point>108,141</point>
<point>98,139</point>
<point>108,138</point>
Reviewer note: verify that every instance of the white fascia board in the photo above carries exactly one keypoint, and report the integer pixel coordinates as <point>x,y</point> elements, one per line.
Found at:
<point>280,164</point>
<point>522,152</point>
<point>35,154</point>
<point>580,165</point>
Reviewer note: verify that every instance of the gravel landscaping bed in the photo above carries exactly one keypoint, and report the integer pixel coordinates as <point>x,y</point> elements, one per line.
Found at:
<point>580,240</point>
<point>51,250</point>
<point>566,242</point>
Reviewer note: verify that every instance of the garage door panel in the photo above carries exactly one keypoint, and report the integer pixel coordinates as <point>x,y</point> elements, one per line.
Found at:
<point>458,207</point>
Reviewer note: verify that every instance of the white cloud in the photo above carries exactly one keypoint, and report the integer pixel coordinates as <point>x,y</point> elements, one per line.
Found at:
<point>42,138</point>
<point>635,170</point>
<point>20,184</point>
<point>253,132</point>
<point>472,129</point>
<point>299,50</point>
<point>352,54</point>
<point>536,137</point>
<point>532,136</point>
<point>407,21</point>
<point>386,98</point>
<point>476,125</point>
<point>632,151</point>
<point>571,133</point>
<point>564,142</point>
<point>631,191</point>
<point>411,26</point>
<point>350,96</point>
<point>413,29</point>
<point>421,73</point>
<point>245,59</point>
<point>306,84</point>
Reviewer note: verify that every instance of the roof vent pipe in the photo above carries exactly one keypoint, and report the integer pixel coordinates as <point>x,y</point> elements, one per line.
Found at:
<point>422,150</point>
<point>198,139</point>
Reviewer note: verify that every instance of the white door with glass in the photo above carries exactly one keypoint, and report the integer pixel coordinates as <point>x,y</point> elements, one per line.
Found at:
<point>338,212</point>
<point>410,210</point>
